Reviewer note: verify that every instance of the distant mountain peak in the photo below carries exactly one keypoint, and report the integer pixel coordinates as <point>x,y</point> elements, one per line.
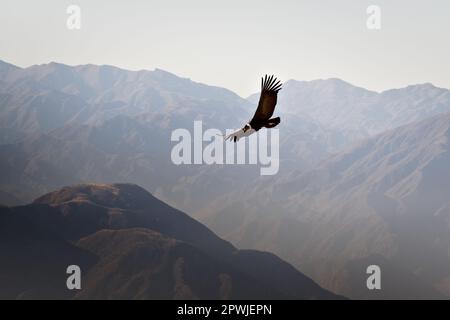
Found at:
<point>6,69</point>
<point>4,64</point>
<point>162,71</point>
<point>166,75</point>
<point>54,65</point>
<point>328,83</point>
<point>334,80</point>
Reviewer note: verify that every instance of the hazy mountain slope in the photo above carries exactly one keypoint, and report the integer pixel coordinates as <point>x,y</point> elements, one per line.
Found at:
<point>384,200</point>
<point>6,69</point>
<point>59,94</point>
<point>357,112</point>
<point>111,124</point>
<point>131,246</point>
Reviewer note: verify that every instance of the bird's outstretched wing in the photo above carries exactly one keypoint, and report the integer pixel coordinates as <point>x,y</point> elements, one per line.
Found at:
<point>268,99</point>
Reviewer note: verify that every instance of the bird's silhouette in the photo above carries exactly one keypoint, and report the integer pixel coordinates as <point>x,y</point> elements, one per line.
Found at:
<point>266,106</point>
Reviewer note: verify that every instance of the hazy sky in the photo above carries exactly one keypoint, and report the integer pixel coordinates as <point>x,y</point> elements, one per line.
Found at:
<point>232,43</point>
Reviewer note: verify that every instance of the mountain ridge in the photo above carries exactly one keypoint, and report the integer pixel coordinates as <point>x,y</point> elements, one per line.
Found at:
<point>132,246</point>
<point>45,104</point>
<point>386,196</point>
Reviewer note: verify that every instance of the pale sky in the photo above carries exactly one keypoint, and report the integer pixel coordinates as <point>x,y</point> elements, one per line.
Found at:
<point>231,43</point>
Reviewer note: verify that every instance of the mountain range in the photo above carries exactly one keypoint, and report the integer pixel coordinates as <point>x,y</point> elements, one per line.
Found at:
<point>116,119</point>
<point>363,175</point>
<point>384,199</point>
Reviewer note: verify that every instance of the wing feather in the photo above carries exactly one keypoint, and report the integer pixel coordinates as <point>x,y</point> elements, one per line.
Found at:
<point>268,99</point>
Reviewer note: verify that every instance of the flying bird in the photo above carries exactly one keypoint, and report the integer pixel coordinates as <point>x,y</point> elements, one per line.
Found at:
<point>266,106</point>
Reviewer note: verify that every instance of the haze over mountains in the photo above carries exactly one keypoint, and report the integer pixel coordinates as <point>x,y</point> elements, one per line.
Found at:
<point>339,105</point>
<point>363,175</point>
<point>383,201</point>
<point>116,119</point>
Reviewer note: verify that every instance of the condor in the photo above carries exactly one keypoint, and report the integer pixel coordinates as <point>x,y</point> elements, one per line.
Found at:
<point>266,106</point>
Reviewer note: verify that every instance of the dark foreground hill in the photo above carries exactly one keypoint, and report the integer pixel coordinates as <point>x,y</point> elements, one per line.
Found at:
<point>130,245</point>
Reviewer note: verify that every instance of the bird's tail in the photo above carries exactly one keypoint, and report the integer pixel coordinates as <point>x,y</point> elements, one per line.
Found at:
<point>271,123</point>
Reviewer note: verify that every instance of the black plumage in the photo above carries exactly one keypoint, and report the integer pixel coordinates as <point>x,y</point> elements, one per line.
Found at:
<point>267,102</point>
<point>266,106</point>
